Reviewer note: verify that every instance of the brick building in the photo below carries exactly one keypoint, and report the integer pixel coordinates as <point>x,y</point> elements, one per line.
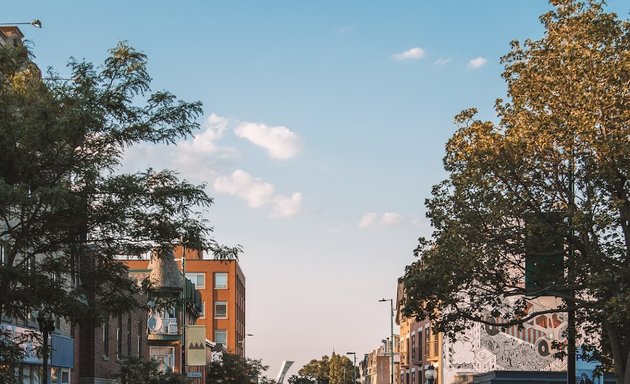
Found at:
<point>221,284</point>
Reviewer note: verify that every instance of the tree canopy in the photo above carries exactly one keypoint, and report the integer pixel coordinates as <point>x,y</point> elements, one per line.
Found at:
<point>234,369</point>
<point>550,175</point>
<point>66,210</point>
<point>336,369</point>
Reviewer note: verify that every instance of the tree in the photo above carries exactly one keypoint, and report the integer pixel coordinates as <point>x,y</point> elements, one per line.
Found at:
<point>336,369</point>
<point>234,369</point>
<point>556,163</point>
<point>138,371</point>
<point>65,209</point>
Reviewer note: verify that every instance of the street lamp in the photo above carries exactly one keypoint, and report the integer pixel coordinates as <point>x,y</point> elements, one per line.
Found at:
<point>429,374</point>
<point>354,363</point>
<point>391,349</point>
<point>46,326</point>
<point>35,23</point>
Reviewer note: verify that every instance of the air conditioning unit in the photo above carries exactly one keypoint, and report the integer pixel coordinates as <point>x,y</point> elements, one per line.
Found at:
<point>172,328</point>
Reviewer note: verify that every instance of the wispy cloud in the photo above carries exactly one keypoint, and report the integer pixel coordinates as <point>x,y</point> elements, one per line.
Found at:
<point>259,193</point>
<point>443,61</point>
<point>477,62</point>
<point>286,206</point>
<point>280,142</point>
<point>197,159</point>
<point>367,220</point>
<point>387,219</point>
<point>410,54</point>
<point>391,218</point>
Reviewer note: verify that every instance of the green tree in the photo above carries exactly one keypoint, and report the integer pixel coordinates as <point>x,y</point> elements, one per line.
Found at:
<point>296,379</point>
<point>234,369</point>
<point>336,369</point>
<point>138,371</point>
<point>556,162</point>
<point>65,209</point>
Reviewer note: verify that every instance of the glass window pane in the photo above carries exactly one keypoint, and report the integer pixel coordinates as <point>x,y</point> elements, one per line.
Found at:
<point>220,280</point>
<point>220,309</point>
<point>220,336</point>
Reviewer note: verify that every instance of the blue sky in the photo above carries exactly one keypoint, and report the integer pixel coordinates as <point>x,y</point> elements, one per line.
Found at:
<point>323,132</point>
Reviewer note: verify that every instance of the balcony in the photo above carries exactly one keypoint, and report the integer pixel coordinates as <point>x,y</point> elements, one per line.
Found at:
<point>162,326</point>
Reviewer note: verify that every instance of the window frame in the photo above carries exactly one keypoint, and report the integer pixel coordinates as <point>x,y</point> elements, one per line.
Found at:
<point>227,280</point>
<point>196,275</point>
<point>225,331</point>
<point>216,303</point>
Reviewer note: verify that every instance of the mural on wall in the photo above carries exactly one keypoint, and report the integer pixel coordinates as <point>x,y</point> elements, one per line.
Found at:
<point>485,348</point>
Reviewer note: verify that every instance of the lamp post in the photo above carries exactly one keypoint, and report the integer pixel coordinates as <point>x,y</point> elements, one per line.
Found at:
<point>391,340</point>
<point>354,364</point>
<point>46,326</point>
<point>35,23</point>
<point>429,374</point>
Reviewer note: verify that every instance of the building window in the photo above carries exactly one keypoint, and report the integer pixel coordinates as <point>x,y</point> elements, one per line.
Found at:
<point>106,337</point>
<point>119,338</point>
<point>140,336</point>
<point>220,280</point>
<point>165,356</point>
<point>202,311</point>
<point>427,341</point>
<point>129,336</point>
<point>220,337</point>
<point>198,279</point>
<point>4,253</point>
<point>413,347</point>
<point>220,309</point>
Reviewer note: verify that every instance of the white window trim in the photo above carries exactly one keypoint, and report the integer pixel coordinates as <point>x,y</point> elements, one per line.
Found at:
<point>226,336</point>
<point>215,310</point>
<point>227,280</point>
<point>190,274</point>
<point>151,348</point>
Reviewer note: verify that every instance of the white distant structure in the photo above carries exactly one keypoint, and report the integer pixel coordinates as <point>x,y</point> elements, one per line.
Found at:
<point>283,371</point>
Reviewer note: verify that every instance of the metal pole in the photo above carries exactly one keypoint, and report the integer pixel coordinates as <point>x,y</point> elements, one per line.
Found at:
<point>571,348</point>
<point>391,351</point>
<point>184,311</point>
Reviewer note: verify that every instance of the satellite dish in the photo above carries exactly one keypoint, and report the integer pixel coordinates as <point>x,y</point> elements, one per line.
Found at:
<point>154,323</point>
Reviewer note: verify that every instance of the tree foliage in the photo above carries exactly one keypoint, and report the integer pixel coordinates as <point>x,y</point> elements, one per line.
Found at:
<point>336,369</point>
<point>138,371</point>
<point>65,209</point>
<point>234,369</point>
<point>558,156</point>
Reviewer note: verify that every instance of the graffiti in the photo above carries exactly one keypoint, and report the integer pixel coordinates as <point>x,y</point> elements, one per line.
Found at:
<point>485,348</point>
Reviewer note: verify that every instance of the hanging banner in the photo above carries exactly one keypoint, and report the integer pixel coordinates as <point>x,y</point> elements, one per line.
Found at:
<point>585,368</point>
<point>195,345</point>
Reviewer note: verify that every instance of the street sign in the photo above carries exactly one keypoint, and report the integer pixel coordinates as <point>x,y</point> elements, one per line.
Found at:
<point>193,374</point>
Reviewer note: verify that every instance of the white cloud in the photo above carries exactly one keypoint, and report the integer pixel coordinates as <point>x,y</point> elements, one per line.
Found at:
<point>367,220</point>
<point>284,206</point>
<point>443,61</point>
<point>387,219</point>
<point>259,193</point>
<point>391,218</point>
<point>196,159</point>
<point>410,54</point>
<point>477,62</point>
<point>205,142</point>
<point>280,142</point>
<point>240,183</point>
